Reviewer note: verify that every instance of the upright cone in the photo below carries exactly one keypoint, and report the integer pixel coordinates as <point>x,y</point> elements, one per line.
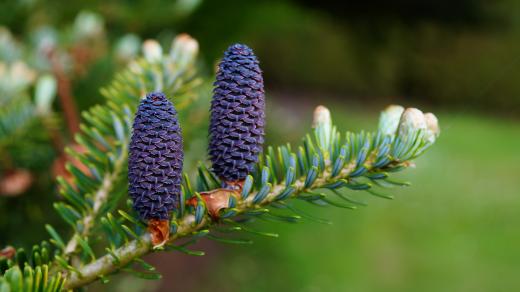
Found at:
<point>155,163</point>
<point>237,115</point>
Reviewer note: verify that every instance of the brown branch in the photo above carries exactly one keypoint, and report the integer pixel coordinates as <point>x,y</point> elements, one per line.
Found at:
<point>65,94</point>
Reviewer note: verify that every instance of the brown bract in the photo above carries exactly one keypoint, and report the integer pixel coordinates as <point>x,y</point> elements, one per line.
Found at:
<point>218,199</point>
<point>159,231</point>
<point>215,200</point>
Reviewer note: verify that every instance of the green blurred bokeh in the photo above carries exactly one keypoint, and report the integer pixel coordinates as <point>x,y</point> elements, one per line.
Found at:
<point>454,229</point>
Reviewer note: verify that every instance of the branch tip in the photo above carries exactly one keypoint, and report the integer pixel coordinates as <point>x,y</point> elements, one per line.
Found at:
<point>321,116</point>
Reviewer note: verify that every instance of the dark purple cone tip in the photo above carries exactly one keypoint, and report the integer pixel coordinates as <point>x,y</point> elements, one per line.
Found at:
<point>155,158</point>
<point>237,114</point>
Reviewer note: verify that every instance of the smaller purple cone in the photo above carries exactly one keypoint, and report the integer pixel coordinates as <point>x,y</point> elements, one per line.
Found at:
<point>155,158</point>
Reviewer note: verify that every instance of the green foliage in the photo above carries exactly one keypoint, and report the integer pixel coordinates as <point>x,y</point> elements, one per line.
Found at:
<point>30,271</point>
<point>27,149</point>
<point>31,279</point>
<point>20,113</point>
<point>108,237</point>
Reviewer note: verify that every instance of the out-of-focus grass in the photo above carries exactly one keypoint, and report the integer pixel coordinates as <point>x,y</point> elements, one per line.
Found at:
<point>454,229</point>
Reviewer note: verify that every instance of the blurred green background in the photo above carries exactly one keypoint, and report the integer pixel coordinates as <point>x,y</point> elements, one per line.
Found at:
<point>454,229</point>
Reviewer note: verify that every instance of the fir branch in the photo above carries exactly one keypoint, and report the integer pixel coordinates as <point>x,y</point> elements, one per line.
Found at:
<point>308,182</point>
<point>187,226</point>
<point>326,163</point>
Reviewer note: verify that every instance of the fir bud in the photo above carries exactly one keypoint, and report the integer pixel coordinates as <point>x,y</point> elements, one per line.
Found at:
<point>322,124</point>
<point>155,158</point>
<point>152,51</point>
<point>127,47</point>
<point>432,127</point>
<point>389,119</point>
<point>15,77</point>
<point>237,114</point>
<point>412,120</point>
<point>184,49</point>
<point>88,25</point>
<point>45,93</point>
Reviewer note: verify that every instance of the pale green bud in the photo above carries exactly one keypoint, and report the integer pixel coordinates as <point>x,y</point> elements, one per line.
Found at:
<point>184,49</point>
<point>412,120</point>
<point>152,51</point>
<point>432,127</point>
<point>88,24</point>
<point>389,119</point>
<point>45,93</point>
<point>322,124</point>
<point>127,48</point>
<point>15,77</point>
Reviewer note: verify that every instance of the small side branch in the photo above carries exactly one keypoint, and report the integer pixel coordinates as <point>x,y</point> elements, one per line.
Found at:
<point>100,199</point>
<point>65,94</point>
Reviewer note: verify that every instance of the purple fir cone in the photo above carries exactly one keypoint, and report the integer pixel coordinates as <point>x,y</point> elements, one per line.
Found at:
<point>237,114</point>
<point>155,158</point>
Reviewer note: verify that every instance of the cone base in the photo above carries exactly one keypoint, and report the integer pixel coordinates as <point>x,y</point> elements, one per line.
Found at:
<point>159,231</point>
